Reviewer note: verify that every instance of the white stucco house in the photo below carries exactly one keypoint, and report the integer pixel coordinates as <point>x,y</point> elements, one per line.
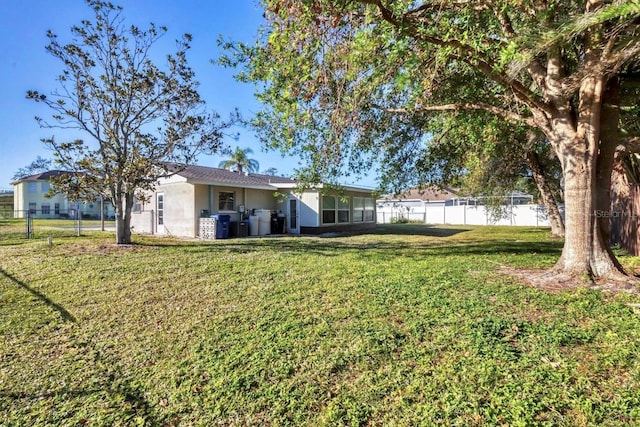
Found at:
<point>30,196</point>
<point>178,202</point>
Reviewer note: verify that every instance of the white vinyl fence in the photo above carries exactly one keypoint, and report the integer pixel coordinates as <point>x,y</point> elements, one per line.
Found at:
<point>526,215</point>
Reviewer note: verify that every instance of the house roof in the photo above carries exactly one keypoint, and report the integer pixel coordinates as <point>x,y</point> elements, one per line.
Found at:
<point>43,176</point>
<point>210,175</point>
<point>216,176</point>
<point>426,194</point>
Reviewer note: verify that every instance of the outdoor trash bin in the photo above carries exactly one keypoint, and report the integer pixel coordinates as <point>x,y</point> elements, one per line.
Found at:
<point>254,225</point>
<point>222,226</point>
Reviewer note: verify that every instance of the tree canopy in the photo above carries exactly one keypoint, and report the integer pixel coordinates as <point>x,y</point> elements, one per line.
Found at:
<point>136,114</point>
<point>39,165</point>
<point>349,82</point>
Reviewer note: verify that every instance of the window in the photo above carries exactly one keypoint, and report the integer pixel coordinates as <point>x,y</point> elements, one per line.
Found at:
<point>32,208</point>
<point>137,206</point>
<point>160,206</point>
<point>46,209</point>
<point>343,209</point>
<point>358,209</point>
<point>32,187</point>
<point>335,209</point>
<point>328,210</point>
<point>226,201</point>
<point>56,208</point>
<point>369,209</point>
<point>363,209</point>
<point>45,186</point>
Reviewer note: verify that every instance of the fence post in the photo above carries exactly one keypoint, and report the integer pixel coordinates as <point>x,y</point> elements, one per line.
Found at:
<point>78,220</point>
<point>29,224</point>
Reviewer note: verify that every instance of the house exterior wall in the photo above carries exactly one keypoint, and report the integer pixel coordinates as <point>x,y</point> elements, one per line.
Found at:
<point>309,209</point>
<point>311,213</point>
<point>260,199</point>
<point>202,200</point>
<point>180,218</point>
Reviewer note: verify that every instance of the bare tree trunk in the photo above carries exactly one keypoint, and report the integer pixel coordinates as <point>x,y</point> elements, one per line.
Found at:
<point>585,252</point>
<point>123,204</point>
<point>555,219</point>
<point>606,161</point>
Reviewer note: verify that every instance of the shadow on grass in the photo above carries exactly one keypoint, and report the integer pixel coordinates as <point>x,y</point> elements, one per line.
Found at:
<point>415,230</point>
<point>66,316</point>
<point>333,245</point>
<point>113,380</point>
<point>114,384</point>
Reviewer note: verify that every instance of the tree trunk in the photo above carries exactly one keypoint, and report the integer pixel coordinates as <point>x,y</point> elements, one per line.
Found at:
<point>585,252</point>
<point>609,150</point>
<point>555,219</point>
<point>123,204</point>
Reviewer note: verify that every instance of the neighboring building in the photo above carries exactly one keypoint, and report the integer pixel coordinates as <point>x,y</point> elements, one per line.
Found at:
<point>178,203</point>
<point>416,197</point>
<point>433,196</point>
<point>31,195</point>
<point>6,203</point>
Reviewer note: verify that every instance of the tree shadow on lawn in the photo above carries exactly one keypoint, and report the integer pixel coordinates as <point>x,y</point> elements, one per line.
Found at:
<point>331,245</point>
<point>114,383</point>
<point>415,230</point>
<point>66,316</point>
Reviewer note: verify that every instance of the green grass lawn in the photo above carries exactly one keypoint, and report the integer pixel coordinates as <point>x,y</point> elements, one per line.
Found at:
<point>408,326</point>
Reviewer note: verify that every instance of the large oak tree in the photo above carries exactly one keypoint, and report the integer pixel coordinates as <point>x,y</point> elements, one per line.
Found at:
<point>137,115</point>
<point>356,80</point>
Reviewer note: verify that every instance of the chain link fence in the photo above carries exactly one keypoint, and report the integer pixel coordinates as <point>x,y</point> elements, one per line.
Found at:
<point>34,224</point>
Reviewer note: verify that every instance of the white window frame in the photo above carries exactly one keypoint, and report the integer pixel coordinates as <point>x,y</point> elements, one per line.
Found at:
<point>364,209</point>
<point>223,204</point>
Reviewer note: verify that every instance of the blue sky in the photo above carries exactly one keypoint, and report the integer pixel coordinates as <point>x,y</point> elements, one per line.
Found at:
<point>26,65</point>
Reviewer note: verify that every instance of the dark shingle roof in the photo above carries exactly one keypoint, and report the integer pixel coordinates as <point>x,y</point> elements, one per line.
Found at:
<point>43,176</point>
<point>205,174</point>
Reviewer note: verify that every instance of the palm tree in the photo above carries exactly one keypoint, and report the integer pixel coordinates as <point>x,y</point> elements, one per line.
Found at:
<point>240,161</point>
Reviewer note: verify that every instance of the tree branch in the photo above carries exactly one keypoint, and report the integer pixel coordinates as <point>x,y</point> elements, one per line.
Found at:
<point>501,112</point>
<point>471,56</point>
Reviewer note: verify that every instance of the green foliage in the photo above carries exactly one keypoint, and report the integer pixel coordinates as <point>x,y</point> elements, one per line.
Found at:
<point>408,326</point>
<point>136,115</point>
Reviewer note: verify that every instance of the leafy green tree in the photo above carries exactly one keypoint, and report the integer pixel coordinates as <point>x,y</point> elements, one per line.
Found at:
<point>240,161</point>
<point>489,166</point>
<point>39,165</point>
<point>349,82</point>
<point>137,115</point>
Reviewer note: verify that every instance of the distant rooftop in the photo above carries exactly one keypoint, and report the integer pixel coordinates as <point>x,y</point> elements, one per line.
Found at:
<point>43,176</point>
<point>206,174</point>
<point>425,194</point>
